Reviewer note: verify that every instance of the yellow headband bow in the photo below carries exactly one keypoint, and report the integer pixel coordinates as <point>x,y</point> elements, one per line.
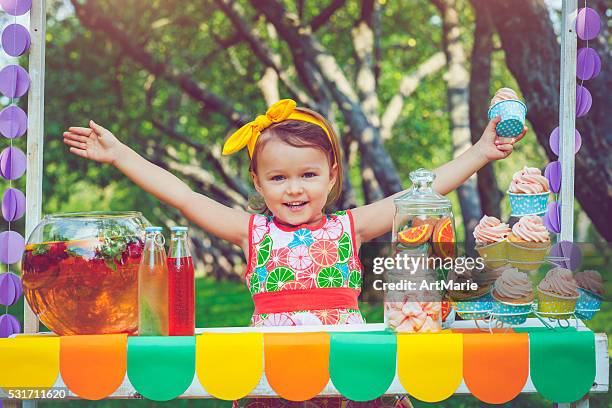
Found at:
<point>280,111</point>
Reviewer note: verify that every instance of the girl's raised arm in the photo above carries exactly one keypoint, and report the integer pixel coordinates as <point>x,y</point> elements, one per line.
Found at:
<point>376,219</point>
<point>99,144</point>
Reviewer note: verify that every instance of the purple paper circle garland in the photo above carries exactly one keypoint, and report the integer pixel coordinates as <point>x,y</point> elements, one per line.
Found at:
<point>13,204</point>
<point>12,163</point>
<point>16,7</point>
<point>584,100</point>
<point>9,325</point>
<point>568,250</point>
<point>555,137</point>
<point>14,81</point>
<point>12,246</point>
<point>15,40</point>
<point>588,64</point>
<point>552,218</point>
<point>13,122</point>
<point>10,288</point>
<point>553,174</point>
<point>588,23</point>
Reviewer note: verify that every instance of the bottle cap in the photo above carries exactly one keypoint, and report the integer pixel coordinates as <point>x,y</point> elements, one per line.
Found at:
<point>154,229</point>
<point>178,229</point>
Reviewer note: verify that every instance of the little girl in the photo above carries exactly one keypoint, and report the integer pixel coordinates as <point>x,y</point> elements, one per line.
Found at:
<point>303,265</point>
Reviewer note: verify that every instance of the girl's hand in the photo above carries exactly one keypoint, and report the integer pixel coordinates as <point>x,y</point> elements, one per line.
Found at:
<point>492,147</point>
<point>94,143</point>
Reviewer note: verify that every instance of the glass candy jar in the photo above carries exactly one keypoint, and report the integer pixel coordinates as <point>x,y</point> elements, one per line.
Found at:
<point>80,271</point>
<point>423,238</point>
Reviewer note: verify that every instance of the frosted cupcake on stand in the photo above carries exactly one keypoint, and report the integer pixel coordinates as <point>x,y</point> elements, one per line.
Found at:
<point>513,295</point>
<point>528,244</point>
<point>490,235</point>
<point>528,192</point>
<point>506,103</point>
<point>470,304</point>
<point>591,289</point>
<point>557,294</point>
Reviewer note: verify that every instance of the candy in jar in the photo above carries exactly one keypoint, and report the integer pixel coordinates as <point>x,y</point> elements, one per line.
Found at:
<point>423,229</point>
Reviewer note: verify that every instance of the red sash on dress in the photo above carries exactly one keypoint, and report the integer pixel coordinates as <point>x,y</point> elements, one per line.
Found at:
<point>305,299</point>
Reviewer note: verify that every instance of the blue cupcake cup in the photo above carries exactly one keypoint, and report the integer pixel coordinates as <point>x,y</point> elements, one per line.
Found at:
<point>588,304</point>
<point>476,308</point>
<point>528,204</point>
<point>511,313</point>
<point>512,114</point>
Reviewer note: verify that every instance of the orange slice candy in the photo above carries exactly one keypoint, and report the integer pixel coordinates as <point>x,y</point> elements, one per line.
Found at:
<point>415,235</point>
<point>444,238</point>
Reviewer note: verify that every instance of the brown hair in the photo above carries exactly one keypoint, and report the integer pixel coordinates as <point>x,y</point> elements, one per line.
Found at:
<point>298,133</point>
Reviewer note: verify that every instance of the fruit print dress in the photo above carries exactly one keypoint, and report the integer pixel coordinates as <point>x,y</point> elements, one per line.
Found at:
<point>304,275</point>
<point>291,272</point>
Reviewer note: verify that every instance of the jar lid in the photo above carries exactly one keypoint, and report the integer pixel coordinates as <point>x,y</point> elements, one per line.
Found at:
<point>178,229</point>
<point>422,194</point>
<point>94,215</point>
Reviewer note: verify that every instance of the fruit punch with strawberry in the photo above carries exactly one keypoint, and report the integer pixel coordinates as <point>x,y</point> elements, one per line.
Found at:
<point>80,272</point>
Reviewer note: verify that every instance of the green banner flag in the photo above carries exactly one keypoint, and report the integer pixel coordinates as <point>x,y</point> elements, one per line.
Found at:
<point>562,364</point>
<point>161,368</point>
<point>362,365</point>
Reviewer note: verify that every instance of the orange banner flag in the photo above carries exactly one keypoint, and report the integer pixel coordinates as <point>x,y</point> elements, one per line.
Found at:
<point>93,367</point>
<point>495,366</point>
<point>297,364</point>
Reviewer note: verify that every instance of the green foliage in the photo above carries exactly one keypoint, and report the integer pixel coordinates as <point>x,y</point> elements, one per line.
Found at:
<point>91,77</point>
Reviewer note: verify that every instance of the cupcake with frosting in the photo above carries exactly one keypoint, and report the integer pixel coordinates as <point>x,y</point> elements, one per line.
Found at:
<point>558,294</point>
<point>470,304</point>
<point>513,294</point>
<point>513,287</point>
<point>507,104</point>
<point>490,235</point>
<point>528,244</point>
<point>591,289</point>
<point>503,94</point>
<point>528,192</point>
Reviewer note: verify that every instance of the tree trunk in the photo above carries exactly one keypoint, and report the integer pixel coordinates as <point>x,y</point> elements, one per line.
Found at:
<point>480,82</point>
<point>306,49</point>
<point>534,61</point>
<point>457,80</point>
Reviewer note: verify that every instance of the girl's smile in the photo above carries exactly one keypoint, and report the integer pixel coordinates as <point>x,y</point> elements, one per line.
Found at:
<point>294,181</point>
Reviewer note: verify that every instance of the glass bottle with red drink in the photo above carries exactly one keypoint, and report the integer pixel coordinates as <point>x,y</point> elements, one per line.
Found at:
<point>181,290</point>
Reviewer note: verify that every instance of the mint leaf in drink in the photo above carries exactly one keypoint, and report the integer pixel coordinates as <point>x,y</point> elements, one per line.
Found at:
<point>115,244</point>
<point>40,249</point>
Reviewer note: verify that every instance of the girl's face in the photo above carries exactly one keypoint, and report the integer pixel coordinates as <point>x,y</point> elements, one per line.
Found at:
<point>294,181</point>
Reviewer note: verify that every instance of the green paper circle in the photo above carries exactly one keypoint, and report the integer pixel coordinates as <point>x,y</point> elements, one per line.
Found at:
<point>362,365</point>
<point>161,368</point>
<point>562,364</point>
